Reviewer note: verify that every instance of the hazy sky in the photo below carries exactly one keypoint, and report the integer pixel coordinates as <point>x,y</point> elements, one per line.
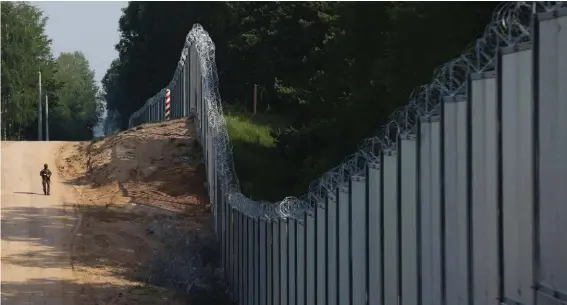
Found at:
<point>87,26</point>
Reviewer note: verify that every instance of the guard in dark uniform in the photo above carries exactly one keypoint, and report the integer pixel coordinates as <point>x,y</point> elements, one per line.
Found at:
<point>45,179</point>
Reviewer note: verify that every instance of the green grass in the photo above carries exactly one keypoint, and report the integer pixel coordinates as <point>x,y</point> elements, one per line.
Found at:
<point>262,172</point>
<point>245,129</point>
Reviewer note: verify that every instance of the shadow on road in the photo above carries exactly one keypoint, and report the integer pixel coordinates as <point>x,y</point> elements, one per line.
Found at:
<point>44,228</point>
<point>106,247</point>
<point>48,289</point>
<point>28,193</point>
<point>23,292</point>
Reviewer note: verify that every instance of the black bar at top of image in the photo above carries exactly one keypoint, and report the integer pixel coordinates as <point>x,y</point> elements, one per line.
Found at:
<point>535,156</point>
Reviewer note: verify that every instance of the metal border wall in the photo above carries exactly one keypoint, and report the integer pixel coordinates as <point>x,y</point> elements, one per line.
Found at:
<point>550,68</point>
<point>460,200</point>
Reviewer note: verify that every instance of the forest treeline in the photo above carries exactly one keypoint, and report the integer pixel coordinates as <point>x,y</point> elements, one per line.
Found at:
<point>333,71</point>
<point>75,100</point>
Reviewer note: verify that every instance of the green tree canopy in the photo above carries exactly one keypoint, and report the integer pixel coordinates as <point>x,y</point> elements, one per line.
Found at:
<point>26,50</point>
<point>80,102</point>
<point>68,82</point>
<point>334,70</point>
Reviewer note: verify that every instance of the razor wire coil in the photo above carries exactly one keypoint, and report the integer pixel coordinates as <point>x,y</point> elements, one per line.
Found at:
<point>510,25</point>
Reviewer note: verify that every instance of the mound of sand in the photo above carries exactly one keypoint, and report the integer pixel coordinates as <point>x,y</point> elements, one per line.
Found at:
<point>143,175</point>
<point>156,164</point>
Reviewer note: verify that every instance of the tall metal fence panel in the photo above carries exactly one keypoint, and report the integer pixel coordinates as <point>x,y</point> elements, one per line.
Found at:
<point>462,199</point>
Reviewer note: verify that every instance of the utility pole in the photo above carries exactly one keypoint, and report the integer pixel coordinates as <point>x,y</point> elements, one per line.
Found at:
<point>39,112</point>
<point>46,118</point>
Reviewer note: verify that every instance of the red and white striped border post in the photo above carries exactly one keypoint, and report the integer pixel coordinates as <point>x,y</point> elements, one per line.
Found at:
<point>167,104</point>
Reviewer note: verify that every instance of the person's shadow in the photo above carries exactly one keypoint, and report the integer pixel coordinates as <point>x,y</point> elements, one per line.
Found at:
<point>28,193</point>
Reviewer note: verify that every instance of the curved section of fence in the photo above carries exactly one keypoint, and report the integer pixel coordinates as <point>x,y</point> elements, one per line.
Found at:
<point>428,211</point>
<point>511,25</point>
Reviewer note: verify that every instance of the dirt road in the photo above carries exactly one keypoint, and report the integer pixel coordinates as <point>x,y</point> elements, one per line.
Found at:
<point>107,234</point>
<point>36,229</point>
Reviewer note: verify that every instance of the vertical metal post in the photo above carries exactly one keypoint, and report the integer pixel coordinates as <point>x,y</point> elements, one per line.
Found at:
<point>39,111</point>
<point>46,118</point>
<point>183,89</point>
<point>469,173</point>
<point>536,250</point>
<point>500,171</point>
<point>167,104</point>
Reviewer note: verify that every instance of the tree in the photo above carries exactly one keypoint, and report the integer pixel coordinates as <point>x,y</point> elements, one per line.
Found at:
<point>334,70</point>
<point>80,103</point>
<point>279,47</point>
<point>112,95</point>
<point>379,53</point>
<point>152,36</point>
<point>26,50</point>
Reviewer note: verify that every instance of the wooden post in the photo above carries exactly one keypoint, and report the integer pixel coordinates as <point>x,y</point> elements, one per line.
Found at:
<point>255,97</point>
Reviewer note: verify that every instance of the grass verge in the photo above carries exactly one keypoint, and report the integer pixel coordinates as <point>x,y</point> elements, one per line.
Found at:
<point>263,173</point>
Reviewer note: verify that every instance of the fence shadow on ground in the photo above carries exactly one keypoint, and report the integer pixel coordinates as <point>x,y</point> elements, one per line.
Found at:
<point>49,289</point>
<point>156,259</point>
<point>48,232</point>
